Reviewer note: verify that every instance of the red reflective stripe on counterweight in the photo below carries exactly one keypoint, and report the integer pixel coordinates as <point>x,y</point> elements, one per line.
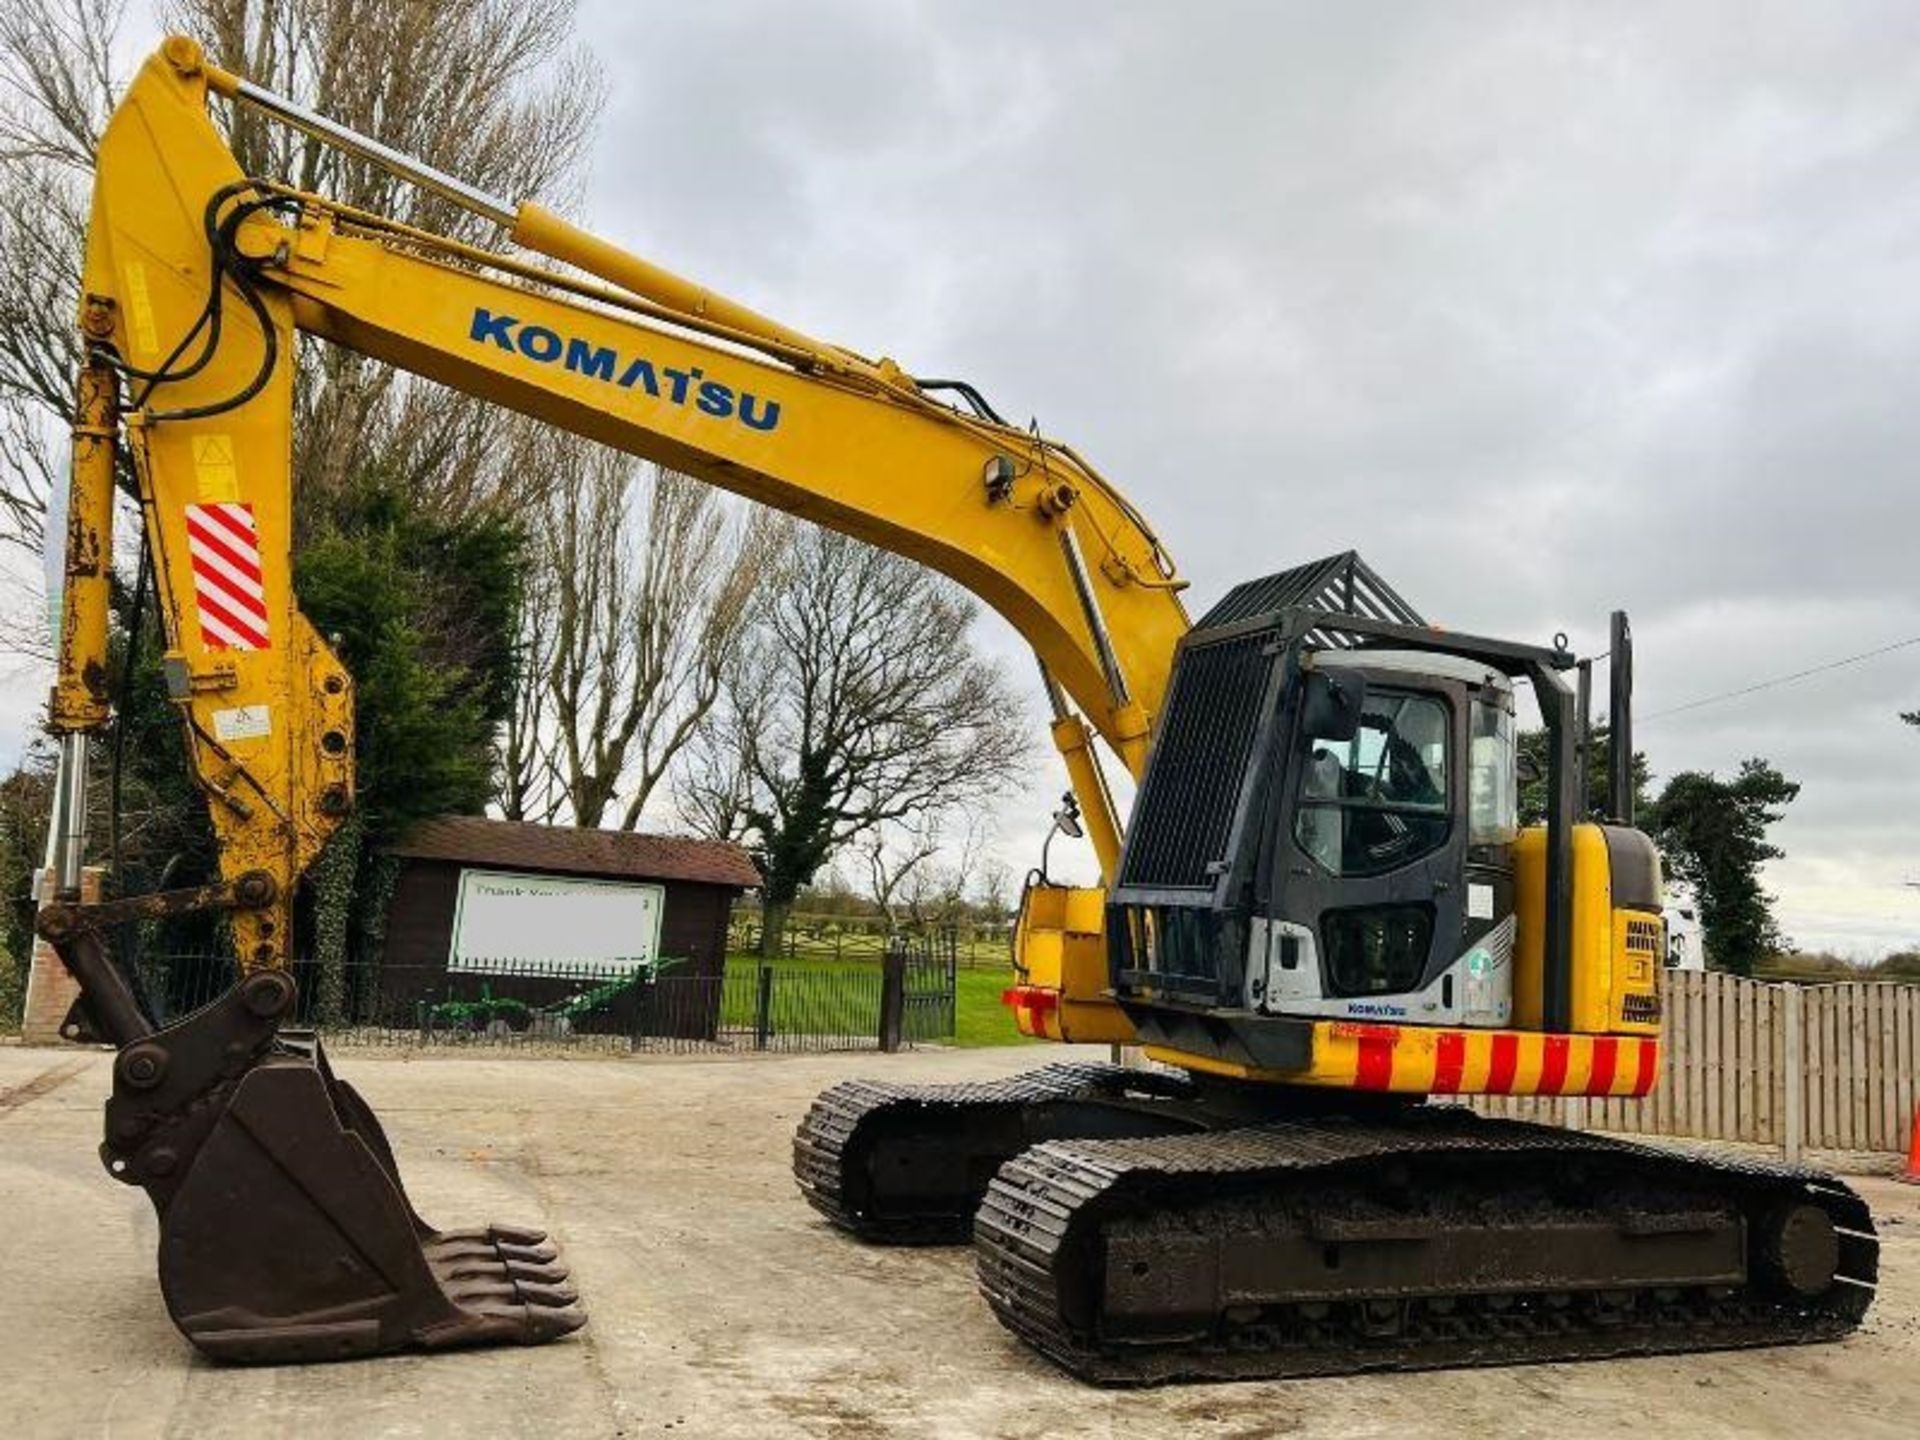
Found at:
<point>1376,1063</point>
<point>1606,1057</point>
<point>1506,1059</point>
<point>1449,1062</point>
<point>1553,1065</point>
<point>1649,1064</point>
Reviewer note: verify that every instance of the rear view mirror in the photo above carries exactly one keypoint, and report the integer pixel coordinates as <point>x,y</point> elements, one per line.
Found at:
<point>1330,707</point>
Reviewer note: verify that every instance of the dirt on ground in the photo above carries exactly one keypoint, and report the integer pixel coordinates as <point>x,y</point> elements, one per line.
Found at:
<point>722,1306</point>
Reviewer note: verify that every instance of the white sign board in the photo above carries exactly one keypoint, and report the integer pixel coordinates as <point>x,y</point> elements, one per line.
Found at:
<point>561,926</point>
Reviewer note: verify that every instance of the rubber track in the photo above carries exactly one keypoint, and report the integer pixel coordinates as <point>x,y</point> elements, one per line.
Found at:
<point>829,1148</point>
<point>1041,1216</point>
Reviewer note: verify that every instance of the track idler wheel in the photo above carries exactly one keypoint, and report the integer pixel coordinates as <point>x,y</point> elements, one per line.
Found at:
<point>285,1233</point>
<point>1800,1250</point>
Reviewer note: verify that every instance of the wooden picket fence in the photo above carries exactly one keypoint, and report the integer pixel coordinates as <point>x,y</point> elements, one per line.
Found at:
<point>1800,1067</point>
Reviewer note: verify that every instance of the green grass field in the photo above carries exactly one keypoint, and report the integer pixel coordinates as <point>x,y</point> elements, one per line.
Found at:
<point>809,1008</point>
<point>978,1016</point>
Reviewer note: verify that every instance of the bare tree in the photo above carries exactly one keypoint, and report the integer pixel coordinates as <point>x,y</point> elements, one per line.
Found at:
<point>527,787</point>
<point>713,786</point>
<point>56,89</point>
<point>860,703</point>
<point>935,892</point>
<point>994,892</point>
<point>643,586</point>
<point>493,91</point>
<point>897,856</point>
<point>919,874</point>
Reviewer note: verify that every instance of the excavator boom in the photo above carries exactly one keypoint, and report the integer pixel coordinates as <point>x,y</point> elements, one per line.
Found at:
<point>206,282</point>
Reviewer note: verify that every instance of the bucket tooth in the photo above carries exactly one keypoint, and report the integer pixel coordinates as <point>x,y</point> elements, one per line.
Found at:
<point>506,1288</point>
<point>470,1266</point>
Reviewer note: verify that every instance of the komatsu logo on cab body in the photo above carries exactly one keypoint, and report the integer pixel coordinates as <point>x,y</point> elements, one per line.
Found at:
<point>1374,1008</point>
<point>603,363</point>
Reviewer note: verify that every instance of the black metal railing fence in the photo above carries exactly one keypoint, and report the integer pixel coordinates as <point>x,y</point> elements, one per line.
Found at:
<point>743,1005</point>
<point>842,939</point>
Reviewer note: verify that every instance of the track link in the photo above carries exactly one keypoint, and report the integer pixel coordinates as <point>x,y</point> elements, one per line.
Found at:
<point>1251,1219</point>
<point>907,1164</point>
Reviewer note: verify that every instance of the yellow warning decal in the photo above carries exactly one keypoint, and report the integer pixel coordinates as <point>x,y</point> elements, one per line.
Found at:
<point>146,335</point>
<point>213,469</point>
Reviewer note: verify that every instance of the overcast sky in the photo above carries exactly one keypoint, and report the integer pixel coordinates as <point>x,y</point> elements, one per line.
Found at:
<point>1546,309</point>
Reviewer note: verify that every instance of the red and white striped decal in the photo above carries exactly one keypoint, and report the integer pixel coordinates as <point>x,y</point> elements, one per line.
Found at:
<point>1418,1060</point>
<point>228,586</point>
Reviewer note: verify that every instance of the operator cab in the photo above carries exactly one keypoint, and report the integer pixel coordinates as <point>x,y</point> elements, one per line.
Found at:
<point>1328,830</point>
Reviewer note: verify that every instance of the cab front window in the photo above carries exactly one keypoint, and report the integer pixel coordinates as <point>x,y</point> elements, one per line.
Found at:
<point>1377,801</point>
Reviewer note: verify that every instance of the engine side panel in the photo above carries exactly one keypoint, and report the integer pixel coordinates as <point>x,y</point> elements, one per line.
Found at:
<point>1618,931</point>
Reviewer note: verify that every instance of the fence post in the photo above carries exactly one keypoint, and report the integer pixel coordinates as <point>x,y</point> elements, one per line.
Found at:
<point>952,1005</point>
<point>763,1007</point>
<point>643,1011</point>
<point>893,995</point>
<point>1794,1123</point>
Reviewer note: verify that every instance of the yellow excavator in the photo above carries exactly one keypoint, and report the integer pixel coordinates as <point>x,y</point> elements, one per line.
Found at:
<point>1323,912</point>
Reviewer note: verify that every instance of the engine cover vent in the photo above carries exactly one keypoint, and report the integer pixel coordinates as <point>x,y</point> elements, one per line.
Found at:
<point>1343,583</point>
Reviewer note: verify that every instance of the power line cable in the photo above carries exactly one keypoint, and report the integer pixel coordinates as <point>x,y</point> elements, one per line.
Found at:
<point>1783,679</point>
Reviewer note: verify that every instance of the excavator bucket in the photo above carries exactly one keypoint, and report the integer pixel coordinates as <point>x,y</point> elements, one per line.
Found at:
<point>285,1232</point>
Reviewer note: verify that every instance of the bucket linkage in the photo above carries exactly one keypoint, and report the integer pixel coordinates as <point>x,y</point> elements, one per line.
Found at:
<point>285,1232</point>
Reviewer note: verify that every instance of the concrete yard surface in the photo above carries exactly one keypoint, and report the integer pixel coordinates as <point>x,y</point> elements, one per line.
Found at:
<point>722,1306</point>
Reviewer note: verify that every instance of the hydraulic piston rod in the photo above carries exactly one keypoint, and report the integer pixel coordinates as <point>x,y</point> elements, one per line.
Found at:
<point>186,56</point>
<point>530,225</point>
<point>68,826</point>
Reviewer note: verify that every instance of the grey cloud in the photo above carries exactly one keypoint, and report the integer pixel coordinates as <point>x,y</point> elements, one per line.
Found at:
<point>1546,308</point>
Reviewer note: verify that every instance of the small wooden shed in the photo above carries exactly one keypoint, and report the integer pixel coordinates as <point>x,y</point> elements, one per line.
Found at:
<point>528,911</point>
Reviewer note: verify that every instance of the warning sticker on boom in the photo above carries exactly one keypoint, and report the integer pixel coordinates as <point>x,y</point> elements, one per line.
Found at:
<point>229,590</point>
<point>243,722</point>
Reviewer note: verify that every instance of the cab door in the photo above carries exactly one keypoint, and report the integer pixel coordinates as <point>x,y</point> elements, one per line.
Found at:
<point>1371,852</point>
